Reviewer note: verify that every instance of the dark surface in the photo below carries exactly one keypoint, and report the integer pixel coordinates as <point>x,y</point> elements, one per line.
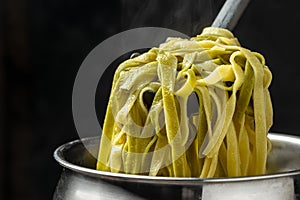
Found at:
<point>43,43</point>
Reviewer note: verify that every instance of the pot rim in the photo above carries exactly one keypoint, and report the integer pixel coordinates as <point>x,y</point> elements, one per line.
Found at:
<point>59,157</point>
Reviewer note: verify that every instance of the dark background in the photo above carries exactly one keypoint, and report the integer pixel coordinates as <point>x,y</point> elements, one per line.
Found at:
<point>43,43</point>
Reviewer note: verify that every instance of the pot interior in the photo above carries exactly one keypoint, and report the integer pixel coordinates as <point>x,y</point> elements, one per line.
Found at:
<point>80,155</point>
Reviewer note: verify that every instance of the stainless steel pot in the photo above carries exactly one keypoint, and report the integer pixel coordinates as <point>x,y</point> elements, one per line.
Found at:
<point>80,181</point>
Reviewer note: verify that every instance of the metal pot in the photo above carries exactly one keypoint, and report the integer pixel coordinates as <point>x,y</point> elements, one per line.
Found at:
<point>80,181</point>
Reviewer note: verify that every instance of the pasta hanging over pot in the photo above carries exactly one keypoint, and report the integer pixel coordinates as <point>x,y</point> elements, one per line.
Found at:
<point>150,128</point>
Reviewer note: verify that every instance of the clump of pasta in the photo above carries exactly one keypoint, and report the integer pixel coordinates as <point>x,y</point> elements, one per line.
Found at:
<point>150,128</point>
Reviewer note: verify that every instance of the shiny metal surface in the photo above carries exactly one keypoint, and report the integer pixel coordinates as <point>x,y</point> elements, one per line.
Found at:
<point>79,180</point>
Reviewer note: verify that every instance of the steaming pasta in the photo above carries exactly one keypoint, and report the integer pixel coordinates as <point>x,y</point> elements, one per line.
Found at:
<point>151,129</point>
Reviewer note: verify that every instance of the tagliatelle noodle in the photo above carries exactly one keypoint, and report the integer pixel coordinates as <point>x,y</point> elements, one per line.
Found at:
<point>150,128</point>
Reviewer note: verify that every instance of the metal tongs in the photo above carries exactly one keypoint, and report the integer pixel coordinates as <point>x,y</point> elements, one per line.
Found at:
<point>230,14</point>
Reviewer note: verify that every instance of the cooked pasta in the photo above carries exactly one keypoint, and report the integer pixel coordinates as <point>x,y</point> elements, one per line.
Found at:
<point>151,128</point>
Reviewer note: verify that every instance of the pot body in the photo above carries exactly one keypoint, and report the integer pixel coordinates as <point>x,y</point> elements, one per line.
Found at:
<point>80,181</point>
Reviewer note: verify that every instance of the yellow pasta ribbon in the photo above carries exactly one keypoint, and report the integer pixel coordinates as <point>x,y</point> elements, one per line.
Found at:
<point>152,128</point>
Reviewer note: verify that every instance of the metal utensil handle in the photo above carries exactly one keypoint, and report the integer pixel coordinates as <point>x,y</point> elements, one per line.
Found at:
<point>230,13</point>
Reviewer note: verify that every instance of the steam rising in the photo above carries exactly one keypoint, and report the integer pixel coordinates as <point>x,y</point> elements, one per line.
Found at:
<point>186,16</point>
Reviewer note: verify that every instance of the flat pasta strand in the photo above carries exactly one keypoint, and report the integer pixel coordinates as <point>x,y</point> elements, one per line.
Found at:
<point>151,128</point>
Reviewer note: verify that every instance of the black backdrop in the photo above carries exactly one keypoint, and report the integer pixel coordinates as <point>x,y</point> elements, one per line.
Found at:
<point>43,43</point>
